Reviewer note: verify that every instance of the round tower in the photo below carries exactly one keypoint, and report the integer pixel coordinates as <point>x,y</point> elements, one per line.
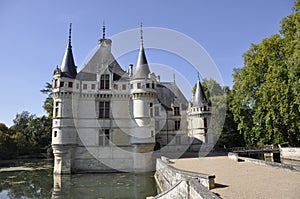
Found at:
<point>199,115</point>
<point>64,135</point>
<point>143,95</point>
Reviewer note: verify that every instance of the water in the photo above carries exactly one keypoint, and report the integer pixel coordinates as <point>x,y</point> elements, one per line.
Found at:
<point>40,183</point>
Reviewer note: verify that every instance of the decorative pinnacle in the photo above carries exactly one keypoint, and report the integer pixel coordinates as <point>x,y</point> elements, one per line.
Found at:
<point>141,34</point>
<point>70,31</point>
<point>198,76</point>
<point>103,30</point>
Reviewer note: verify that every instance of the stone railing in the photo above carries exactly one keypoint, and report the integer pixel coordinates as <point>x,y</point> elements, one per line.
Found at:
<point>182,184</point>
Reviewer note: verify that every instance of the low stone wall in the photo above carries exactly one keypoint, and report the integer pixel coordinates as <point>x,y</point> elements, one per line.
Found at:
<point>236,157</point>
<point>176,183</point>
<point>291,153</point>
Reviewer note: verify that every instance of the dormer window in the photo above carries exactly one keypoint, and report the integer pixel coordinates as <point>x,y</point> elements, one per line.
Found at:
<point>61,84</point>
<point>176,111</point>
<point>70,84</point>
<point>104,82</point>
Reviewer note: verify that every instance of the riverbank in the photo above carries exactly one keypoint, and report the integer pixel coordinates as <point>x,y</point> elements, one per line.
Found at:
<point>244,179</point>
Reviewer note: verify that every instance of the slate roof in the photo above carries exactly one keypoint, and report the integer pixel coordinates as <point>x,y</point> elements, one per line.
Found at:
<point>169,93</point>
<point>142,69</point>
<point>199,98</point>
<point>101,61</point>
<point>68,68</point>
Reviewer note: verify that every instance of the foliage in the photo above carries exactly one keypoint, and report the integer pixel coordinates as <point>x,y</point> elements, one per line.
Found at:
<point>28,135</point>
<point>48,103</point>
<point>220,97</point>
<point>265,101</point>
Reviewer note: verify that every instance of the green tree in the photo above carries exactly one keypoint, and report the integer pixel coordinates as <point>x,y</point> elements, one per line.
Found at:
<point>7,146</point>
<point>265,100</point>
<point>220,97</point>
<point>48,103</point>
<point>40,134</point>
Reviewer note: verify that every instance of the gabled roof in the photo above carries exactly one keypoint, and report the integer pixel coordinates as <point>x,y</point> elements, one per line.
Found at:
<point>68,68</point>
<point>101,61</point>
<point>199,98</point>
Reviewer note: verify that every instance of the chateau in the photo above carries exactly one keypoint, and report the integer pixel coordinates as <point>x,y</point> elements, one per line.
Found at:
<point>107,119</point>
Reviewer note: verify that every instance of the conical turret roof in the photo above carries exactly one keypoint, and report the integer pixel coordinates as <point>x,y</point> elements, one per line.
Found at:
<point>68,67</point>
<point>142,68</point>
<point>199,98</point>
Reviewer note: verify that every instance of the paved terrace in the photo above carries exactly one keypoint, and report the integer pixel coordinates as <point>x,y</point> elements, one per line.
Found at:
<point>245,179</point>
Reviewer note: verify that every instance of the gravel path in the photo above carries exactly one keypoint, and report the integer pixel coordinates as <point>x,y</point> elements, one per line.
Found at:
<point>245,179</point>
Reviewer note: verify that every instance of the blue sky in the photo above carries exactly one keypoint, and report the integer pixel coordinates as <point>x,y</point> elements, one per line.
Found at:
<point>33,37</point>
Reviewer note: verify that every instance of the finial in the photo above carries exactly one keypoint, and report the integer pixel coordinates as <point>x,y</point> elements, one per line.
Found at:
<point>174,78</point>
<point>141,34</point>
<point>103,30</point>
<point>70,31</point>
<point>198,76</point>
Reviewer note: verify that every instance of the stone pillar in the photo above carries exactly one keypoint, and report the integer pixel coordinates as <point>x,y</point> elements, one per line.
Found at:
<point>142,157</point>
<point>63,159</point>
<point>269,157</point>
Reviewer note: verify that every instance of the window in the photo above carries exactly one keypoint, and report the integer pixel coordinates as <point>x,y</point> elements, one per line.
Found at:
<point>177,125</point>
<point>56,112</point>
<point>123,86</point>
<point>205,122</point>
<point>176,111</point>
<point>104,82</point>
<point>77,86</point>
<point>116,86</point>
<point>156,111</point>
<point>131,86</point>
<point>147,85</point>
<point>84,86</point>
<point>152,133</point>
<point>55,133</point>
<point>70,84</point>
<point>153,85</point>
<point>139,85</point>
<point>55,83</point>
<point>104,109</point>
<point>104,137</point>
<point>93,86</point>
<point>61,84</point>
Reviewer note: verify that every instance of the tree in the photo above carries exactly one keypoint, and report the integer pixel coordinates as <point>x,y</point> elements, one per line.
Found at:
<point>40,134</point>
<point>220,97</point>
<point>265,100</point>
<point>6,143</point>
<point>48,103</point>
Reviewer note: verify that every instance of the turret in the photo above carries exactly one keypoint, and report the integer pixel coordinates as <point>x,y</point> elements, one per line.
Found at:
<point>143,95</point>
<point>64,135</point>
<point>199,116</point>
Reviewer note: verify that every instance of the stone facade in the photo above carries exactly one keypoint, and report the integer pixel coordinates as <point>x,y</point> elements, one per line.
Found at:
<point>108,119</point>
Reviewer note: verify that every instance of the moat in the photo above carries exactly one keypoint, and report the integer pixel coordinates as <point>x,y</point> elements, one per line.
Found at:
<point>34,179</point>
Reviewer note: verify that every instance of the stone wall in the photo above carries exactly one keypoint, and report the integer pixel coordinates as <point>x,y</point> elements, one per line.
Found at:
<point>291,153</point>
<point>237,158</point>
<point>175,183</point>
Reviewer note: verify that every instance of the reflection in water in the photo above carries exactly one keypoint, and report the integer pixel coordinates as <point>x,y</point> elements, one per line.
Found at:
<point>42,184</point>
<point>111,185</point>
